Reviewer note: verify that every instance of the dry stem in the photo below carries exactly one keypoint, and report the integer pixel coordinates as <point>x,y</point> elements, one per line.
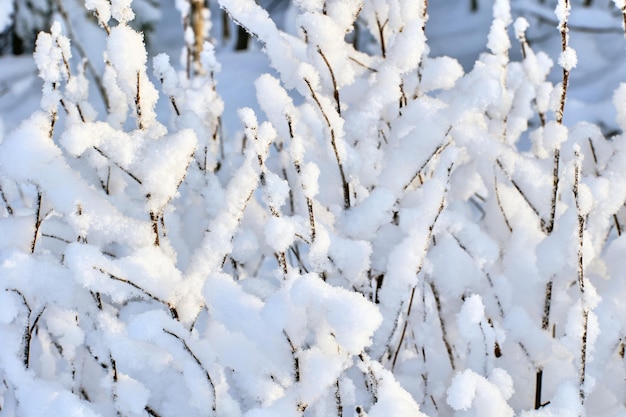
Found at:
<point>206,372</point>
<point>581,275</point>
<point>332,77</point>
<point>346,187</point>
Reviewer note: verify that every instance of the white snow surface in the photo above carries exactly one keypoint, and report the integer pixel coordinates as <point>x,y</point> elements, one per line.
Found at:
<point>373,210</point>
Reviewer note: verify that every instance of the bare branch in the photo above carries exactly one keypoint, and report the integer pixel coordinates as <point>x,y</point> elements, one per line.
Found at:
<point>332,77</point>
<point>206,372</point>
<point>171,308</point>
<point>346,188</point>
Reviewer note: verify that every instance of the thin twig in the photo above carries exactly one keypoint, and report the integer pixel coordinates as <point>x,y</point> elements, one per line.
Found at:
<point>127,172</point>
<point>356,61</point>
<point>332,77</point>
<point>154,218</point>
<point>438,150</point>
<point>346,188</point>
<point>442,324</point>
<point>171,308</point>
<point>581,276</point>
<point>338,399</point>
<point>6,202</point>
<point>151,412</point>
<point>138,102</point>
<point>381,34</point>
<point>83,53</point>
<point>555,187</point>
<point>38,221</point>
<point>517,187</point>
<point>296,360</point>
<point>431,228</point>
<point>495,184</point>
<point>206,372</point>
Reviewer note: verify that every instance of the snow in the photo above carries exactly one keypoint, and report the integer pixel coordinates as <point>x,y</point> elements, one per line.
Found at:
<point>279,233</point>
<point>440,73</point>
<point>360,215</point>
<point>568,59</point>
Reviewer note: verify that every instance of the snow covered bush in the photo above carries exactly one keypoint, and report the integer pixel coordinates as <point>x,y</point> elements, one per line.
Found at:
<point>373,242</point>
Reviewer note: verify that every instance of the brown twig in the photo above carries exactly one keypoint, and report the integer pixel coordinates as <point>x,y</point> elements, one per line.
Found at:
<point>381,34</point>
<point>346,187</point>
<point>438,150</point>
<point>296,360</point>
<point>83,53</point>
<point>6,202</point>
<point>431,228</point>
<point>127,172</point>
<point>555,187</point>
<point>38,221</point>
<point>504,216</point>
<point>138,102</point>
<point>519,190</point>
<point>581,276</point>
<point>334,81</point>
<point>171,308</point>
<point>442,324</point>
<point>206,372</point>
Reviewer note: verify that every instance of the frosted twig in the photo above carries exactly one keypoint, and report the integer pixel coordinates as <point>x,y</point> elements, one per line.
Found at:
<point>372,381</point>
<point>404,327</point>
<point>402,101</point>
<point>53,119</point>
<point>38,221</point>
<point>504,216</point>
<point>127,172</point>
<point>296,164</point>
<point>171,308</point>
<point>296,253</point>
<point>381,34</point>
<point>83,53</point>
<point>197,23</point>
<point>338,399</point>
<point>30,328</point>
<point>419,269</point>
<point>206,372</point>
<point>332,77</point>
<point>581,276</point>
<point>517,187</point>
<point>617,225</point>
<point>154,218</point>
<point>487,275</point>
<point>555,187</point>
<point>346,188</point>
<point>564,45</point>
<point>594,156</point>
<point>538,388</point>
<point>294,354</point>
<point>280,256</point>
<point>356,61</point>
<point>442,324</point>
<point>438,150</point>
<point>150,411</point>
<point>138,102</point>
<point>545,321</point>
<point>6,202</point>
